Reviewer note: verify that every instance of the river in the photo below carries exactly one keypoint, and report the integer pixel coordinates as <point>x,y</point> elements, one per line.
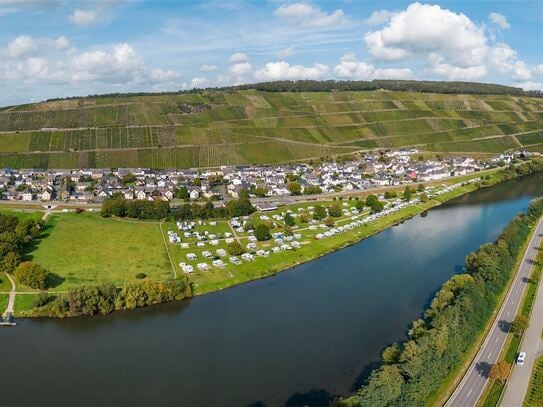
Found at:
<point>299,337</point>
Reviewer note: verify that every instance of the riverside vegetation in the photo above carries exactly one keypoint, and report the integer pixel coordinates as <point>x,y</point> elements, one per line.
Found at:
<point>414,371</point>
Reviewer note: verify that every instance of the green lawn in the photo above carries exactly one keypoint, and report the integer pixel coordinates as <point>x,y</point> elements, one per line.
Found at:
<point>534,396</point>
<point>5,284</point>
<point>24,302</point>
<point>3,302</point>
<point>22,214</point>
<point>87,249</point>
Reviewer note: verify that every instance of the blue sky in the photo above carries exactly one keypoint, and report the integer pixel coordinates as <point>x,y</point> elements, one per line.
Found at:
<point>62,48</point>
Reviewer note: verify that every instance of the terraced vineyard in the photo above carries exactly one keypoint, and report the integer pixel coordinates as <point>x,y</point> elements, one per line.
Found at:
<point>216,128</point>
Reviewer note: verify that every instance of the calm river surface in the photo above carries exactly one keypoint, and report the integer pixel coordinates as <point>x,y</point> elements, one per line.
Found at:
<point>295,338</point>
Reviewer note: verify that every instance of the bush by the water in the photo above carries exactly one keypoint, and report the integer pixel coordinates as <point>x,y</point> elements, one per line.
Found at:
<point>415,370</point>
<point>105,298</point>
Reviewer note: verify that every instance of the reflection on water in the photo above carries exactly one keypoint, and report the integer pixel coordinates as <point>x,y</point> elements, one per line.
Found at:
<point>296,338</point>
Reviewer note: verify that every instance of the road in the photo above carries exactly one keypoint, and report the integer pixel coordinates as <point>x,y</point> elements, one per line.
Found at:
<point>532,344</point>
<point>474,381</point>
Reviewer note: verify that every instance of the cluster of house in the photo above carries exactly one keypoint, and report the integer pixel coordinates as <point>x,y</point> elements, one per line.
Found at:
<point>95,185</point>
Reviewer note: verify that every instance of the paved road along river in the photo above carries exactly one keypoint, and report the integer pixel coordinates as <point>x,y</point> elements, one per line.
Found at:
<point>300,337</point>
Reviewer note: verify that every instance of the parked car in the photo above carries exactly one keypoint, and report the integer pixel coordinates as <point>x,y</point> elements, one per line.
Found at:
<point>520,358</point>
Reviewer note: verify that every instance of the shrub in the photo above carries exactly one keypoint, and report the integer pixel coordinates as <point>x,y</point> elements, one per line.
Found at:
<point>234,249</point>
<point>141,276</point>
<point>262,232</point>
<point>334,211</point>
<point>31,275</point>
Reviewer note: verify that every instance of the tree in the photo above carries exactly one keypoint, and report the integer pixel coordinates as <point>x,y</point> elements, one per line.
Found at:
<point>182,193</point>
<point>234,248</point>
<point>407,193</point>
<point>261,192</point>
<point>31,275</point>
<point>420,188</point>
<point>329,222</point>
<point>10,262</point>
<point>519,324</point>
<point>359,204</point>
<point>392,353</point>
<point>500,371</point>
<point>294,188</point>
<point>390,194</point>
<point>129,179</point>
<point>289,220</point>
<point>312,189</point>
<point>335,211</point>
<point>304,218</point>
<point>373,202</point>
<point>239,207</point>
<point>319,213</point>
<point>262,232</point>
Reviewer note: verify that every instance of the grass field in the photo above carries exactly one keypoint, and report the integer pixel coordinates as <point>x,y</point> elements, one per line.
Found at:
<point>534,395</point>
<point>4,298</point>
<point>251,127</point>
<point>86,249</point>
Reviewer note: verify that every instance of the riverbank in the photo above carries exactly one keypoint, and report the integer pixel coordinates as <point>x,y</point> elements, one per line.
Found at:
<point>441,340</point>
<point>310,247</point>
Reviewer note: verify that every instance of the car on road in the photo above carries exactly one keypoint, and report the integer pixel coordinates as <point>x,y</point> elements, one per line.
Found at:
<point>520,358</point>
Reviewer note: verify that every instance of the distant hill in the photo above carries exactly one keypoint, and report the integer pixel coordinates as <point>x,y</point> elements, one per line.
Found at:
<point>268,123</point>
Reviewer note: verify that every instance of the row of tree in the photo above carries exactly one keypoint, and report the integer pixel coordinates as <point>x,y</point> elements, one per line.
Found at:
<point>120,207</point>
<point>392,85</point>
<point>106,298</point>
<point>414,370</point>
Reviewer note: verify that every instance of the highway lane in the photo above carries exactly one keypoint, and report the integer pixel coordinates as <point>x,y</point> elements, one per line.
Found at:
<point>532,344</point>
<point>474,381</point>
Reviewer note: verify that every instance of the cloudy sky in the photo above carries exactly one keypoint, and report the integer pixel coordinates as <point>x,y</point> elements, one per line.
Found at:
<point>54,48</point>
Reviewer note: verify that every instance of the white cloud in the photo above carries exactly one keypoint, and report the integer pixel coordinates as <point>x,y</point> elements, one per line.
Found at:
<point>539,69</point>
<point>310,16</point>
<point>83,17</point>
<point>502,57</point>
<point>421,30</point>
<point>500,20</point>
<point>208,68</point>
<point>530,85</point>
<point>21,47</point>
<point>237,58</point>
<point>379,17</point>
<point>521,71</point>
<point>121,65</point>
<point>438,66</point>
<point>240,69</point>
<point>199,82</point>
<point>160,75</point>
<point>30,69</point>
<point>286,52</point>
<point>350,67</point>
<point>283,70</point>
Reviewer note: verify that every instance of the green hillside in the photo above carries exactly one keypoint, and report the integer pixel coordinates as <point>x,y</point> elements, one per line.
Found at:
<point>222,127</point>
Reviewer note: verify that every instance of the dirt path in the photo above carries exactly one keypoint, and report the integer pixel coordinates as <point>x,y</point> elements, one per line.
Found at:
<point>12,294</point>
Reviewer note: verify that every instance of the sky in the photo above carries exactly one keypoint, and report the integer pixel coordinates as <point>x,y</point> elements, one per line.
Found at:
<point>59,48</point>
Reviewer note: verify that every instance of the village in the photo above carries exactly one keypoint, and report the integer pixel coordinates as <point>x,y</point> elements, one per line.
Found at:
<point>219,185</point>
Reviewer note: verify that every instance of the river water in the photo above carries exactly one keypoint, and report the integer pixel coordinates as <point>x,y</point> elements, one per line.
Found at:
<point>297,338</point>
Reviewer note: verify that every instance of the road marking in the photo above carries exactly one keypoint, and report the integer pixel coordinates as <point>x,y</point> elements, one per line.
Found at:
<point>497,337</point>
<point>489,355</point>
<point>469,392</point>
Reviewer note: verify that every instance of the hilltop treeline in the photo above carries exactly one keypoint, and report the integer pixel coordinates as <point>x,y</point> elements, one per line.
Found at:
<point>106,298</point>
<point>414,370</point>
<point>391,85</point>
<point>476,88</point>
